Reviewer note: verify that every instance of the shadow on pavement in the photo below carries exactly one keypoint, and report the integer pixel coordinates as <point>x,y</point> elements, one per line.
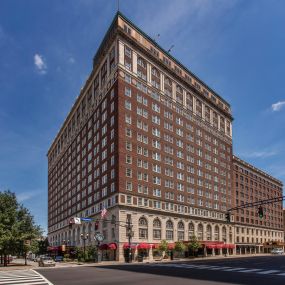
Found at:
<point>203,274</point>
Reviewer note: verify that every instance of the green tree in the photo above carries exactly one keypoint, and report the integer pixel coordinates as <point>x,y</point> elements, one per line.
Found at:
<point>163,246</point>
<point>91,252</point>
<point>194,244</point>
<point>79,254</point>
<point>17,226</point>
<point>179,246</point>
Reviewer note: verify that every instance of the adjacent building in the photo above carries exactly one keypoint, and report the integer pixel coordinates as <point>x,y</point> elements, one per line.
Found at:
<point>255,234</point>
<point>152,143</point>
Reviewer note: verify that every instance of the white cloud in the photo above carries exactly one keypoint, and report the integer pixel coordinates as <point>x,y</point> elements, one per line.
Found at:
<point>40,64</point>
<point>260,154</point>
<point>278,106</point>
<point>24,196</point>
<point>71,60</point>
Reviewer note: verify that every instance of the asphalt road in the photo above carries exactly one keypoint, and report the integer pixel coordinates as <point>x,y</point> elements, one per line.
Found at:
<point>269,270</point>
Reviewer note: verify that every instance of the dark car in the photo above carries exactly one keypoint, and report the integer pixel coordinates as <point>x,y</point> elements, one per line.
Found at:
<point>58,258</point>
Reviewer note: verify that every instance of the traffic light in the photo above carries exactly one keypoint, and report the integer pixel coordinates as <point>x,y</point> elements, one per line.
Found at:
<point>228,217</point>
<point>96,225</point>
<point>260,212</point>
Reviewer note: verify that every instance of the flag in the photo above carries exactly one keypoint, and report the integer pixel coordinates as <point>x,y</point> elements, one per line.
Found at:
<point>103,213</point>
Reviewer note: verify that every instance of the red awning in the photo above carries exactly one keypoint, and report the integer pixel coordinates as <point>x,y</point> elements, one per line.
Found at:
<point>211,246</point>
<point>219,245</point>
<point>171,246</point>
<point>144,246</point>
<point>230,245</point>
<point>53,248</point>
<point>103,246</point>
<point>112,245</point>
<point>126,245</point>
<point>155,245</point>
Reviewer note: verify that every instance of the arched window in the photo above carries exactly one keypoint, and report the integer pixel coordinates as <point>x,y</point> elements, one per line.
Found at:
<point>169,230</point>
<point>180,231</point>
<point>143,228</point>
<point>209,232</point>
<point>156,229</point>
<point>217,233</point>
<point>200,232</point>
<point>191,230</point>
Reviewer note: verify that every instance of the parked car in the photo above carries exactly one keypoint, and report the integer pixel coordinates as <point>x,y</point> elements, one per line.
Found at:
<point>38,258</point>
<point>277,251</point>
<point>46,261</point>
<point>7,258</point>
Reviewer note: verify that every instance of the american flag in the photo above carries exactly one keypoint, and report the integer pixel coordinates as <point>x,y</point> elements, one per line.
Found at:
<point>103,213</point>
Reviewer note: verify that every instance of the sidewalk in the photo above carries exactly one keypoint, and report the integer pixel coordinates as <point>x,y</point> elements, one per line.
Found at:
<point>19,264</point>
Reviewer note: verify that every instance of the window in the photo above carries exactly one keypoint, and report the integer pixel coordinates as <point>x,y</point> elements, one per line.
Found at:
<point>169,230</point>
<point>180,231</point>
<point>200,232</point>
<point>128,119</point>
<point>128,92</point>
<point>156,192</point>
<point>128,51</point>
<point>156,229</point>
<point>129,186</point>
<point>191,231</point>
<point>143,228</point>
<point>128,105</point>
<point>128,172</point>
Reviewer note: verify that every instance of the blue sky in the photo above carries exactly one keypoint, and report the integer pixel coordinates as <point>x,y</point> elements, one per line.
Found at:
<point>46,50</point>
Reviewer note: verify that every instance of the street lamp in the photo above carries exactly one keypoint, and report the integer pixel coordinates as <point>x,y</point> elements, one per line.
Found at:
<point>84,238</point>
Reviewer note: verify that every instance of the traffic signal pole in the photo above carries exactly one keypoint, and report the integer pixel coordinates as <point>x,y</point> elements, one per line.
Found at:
<point>254,204</point>
<point>258,203</point>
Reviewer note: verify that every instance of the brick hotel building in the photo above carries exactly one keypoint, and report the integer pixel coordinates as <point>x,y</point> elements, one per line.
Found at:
<point>150,141</point>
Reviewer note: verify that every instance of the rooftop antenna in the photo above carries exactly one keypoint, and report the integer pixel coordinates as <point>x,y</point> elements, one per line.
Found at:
<point>156,37</point>
<point>118,2</point>
<point>172,46</point>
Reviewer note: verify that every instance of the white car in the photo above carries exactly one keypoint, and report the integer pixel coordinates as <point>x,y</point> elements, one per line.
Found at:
<point>46,261</point>
<point>277,251</point>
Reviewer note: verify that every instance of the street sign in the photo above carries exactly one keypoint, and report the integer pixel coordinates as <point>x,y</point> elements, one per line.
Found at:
<point>86,219</point>
<point>99,237</point>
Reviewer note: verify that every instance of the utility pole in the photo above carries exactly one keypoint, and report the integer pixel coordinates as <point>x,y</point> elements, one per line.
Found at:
<point>129,231</point>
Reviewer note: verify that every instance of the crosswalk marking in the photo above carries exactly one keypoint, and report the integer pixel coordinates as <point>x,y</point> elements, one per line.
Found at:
<point>250,270</point>
<point>235,269</point>
<point>23,277</point>
<point>281,274</point>
<point>221,268</point>
<point>269,272</point>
